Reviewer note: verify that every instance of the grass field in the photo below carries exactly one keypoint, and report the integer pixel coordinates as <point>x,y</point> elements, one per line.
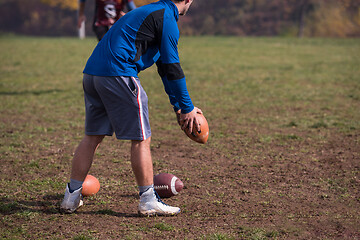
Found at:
<point>282,160</point>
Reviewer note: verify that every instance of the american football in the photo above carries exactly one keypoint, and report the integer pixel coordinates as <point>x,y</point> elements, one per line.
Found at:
<point>167,185</point>
<point>202,135</point>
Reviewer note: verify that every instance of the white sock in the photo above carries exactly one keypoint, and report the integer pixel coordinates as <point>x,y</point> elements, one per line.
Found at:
<point>143,189</point>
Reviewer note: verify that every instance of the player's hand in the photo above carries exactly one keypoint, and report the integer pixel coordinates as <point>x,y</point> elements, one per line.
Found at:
<point>188,120</point>
<point>81,19</point>
<point>178,112</point>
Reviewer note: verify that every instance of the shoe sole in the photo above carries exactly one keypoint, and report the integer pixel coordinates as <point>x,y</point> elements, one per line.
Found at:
<point>154,213</point>
<point>69,211</point>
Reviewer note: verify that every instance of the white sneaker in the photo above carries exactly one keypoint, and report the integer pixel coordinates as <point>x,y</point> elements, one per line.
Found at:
<point>72,201</point>
<point>151,204</point>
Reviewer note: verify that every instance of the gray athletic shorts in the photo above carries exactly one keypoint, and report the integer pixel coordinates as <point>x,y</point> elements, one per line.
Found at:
<point>116,104</point>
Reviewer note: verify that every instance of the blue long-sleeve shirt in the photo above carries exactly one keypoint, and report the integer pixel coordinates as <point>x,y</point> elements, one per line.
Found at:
<point>136,41</point>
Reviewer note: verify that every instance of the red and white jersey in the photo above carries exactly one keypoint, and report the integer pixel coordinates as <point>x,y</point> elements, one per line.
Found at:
<point>107,12</point>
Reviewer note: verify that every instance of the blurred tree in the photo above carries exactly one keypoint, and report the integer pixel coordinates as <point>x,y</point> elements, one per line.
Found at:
<point>33,17</point>
<point>303,7</point>
<point>139,3</point>
<point>335,18</point>
<point>65,4</point>
<point>332,19</point>
<point>353,10</point>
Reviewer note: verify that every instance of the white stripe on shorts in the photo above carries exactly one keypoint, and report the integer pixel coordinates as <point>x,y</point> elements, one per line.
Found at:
<point>140,109</point>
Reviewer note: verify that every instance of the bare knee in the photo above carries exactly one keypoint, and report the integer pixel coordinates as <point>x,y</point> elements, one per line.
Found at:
<point>93,140</point>
<point>141,144</point>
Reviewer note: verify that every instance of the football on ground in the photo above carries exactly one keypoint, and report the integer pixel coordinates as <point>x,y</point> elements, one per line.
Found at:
<point>202,135</point>
<point>90,186</point>
<point>167,185</point>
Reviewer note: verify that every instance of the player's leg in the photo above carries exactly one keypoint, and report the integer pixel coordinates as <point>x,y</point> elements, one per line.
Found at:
<point>83,157</point>
<point>127,107</point>
<point>81,164</point>
<point>141,162</point>
<point>97,125</point>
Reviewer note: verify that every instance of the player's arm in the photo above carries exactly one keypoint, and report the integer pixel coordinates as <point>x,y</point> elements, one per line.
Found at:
<point>163,75</point>
<point>173,77</point>
<point>81,12</point>
<point>182,119</point>
<point>170,70</point>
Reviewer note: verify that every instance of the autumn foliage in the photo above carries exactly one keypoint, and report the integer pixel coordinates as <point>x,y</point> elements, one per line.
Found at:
<point>70,4</point>
<point>303,18</point>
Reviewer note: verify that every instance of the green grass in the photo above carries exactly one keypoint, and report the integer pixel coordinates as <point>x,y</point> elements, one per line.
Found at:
<point>275,99</point>
<point>254,75</point>
<point>293,80</point>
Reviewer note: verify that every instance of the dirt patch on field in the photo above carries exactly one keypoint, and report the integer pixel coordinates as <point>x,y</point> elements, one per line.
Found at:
<point>290,187</point>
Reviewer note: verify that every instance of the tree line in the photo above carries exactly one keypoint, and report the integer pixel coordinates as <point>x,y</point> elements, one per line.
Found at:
<point>302,18</point>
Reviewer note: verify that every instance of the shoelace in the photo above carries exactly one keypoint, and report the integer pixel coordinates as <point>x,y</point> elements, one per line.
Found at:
<point>159,199</point>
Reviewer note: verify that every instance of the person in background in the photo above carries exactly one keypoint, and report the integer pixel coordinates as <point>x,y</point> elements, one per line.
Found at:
<point>107,12</point>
